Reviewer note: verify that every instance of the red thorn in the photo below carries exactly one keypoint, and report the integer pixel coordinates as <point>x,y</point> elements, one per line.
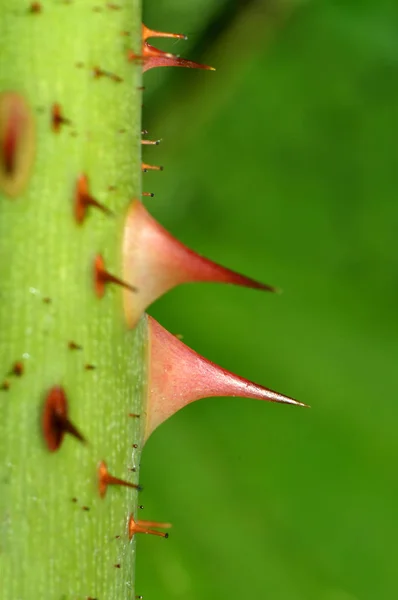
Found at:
<point>159,262</point>
<point>83,199</point>
<point>103,277</point>
<point>152,33</point>
<point>148,194</point>
<point>152,58</point>
<point>145,167</point>
<point>179,376</point>
<point>145,527</point>
<point>57,119</point>
<point>55,420</point>
<point>105,479</point>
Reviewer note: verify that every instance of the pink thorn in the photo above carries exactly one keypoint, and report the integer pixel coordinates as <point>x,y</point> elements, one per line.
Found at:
<point>157,262</point>
<point>153,57</point>
<point>173,61</point>
<point>179,376</point>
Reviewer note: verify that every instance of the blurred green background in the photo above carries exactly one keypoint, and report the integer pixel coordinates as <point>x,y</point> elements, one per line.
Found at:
<point>282,164</point>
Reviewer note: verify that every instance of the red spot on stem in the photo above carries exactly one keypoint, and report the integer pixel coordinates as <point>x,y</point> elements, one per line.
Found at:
<point>35,8</point>
<point>17,143</point>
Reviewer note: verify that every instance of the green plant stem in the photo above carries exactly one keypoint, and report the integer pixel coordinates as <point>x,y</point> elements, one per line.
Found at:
<point>58,536</point>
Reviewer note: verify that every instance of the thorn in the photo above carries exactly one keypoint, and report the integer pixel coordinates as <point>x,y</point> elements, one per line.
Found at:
<point>83,199</point>
<point>150,142</point>
<point>57,119</point>
<point>103,277</point>
<point>160,262</point>
<point>105,479</point>
<point>55,420</point>
<point>145,168</point>
<point>145,527</point>
<point>153,57</point>
<point>148,194</point>
<point>134,415</point>
<point>152,33</point>
<point>5,386</point>
<point>179,376</point>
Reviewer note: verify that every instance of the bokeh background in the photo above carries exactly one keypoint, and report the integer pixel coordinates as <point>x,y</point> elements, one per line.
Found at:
<point>282,164</point>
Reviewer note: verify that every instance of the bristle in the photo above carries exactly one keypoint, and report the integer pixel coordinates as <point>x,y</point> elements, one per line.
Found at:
<point>145,527</point>
<point>105,479</point>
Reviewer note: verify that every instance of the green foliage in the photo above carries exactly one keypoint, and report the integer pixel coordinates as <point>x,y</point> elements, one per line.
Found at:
<point>286,171</point>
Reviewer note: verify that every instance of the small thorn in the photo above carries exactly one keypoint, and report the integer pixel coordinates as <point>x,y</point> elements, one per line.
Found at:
<point>83,199</point>
<point>55,420</point>
<point>152,33</point>
<point>159,262</point>
<point>86,508</point>
<point>89,367</point>
<point>148,194</point>
<point>117,566</point>
<point>179,376</point>
<point>150,142</point>
<point>5,386</point>
<point>145,168</point>
<point>134,445</point>
<point>103,277</point>
<point>145,527</point>
<point>74,500</point>
<point>105,479</point>
<point>134,415</point>
<point>57,119</point>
